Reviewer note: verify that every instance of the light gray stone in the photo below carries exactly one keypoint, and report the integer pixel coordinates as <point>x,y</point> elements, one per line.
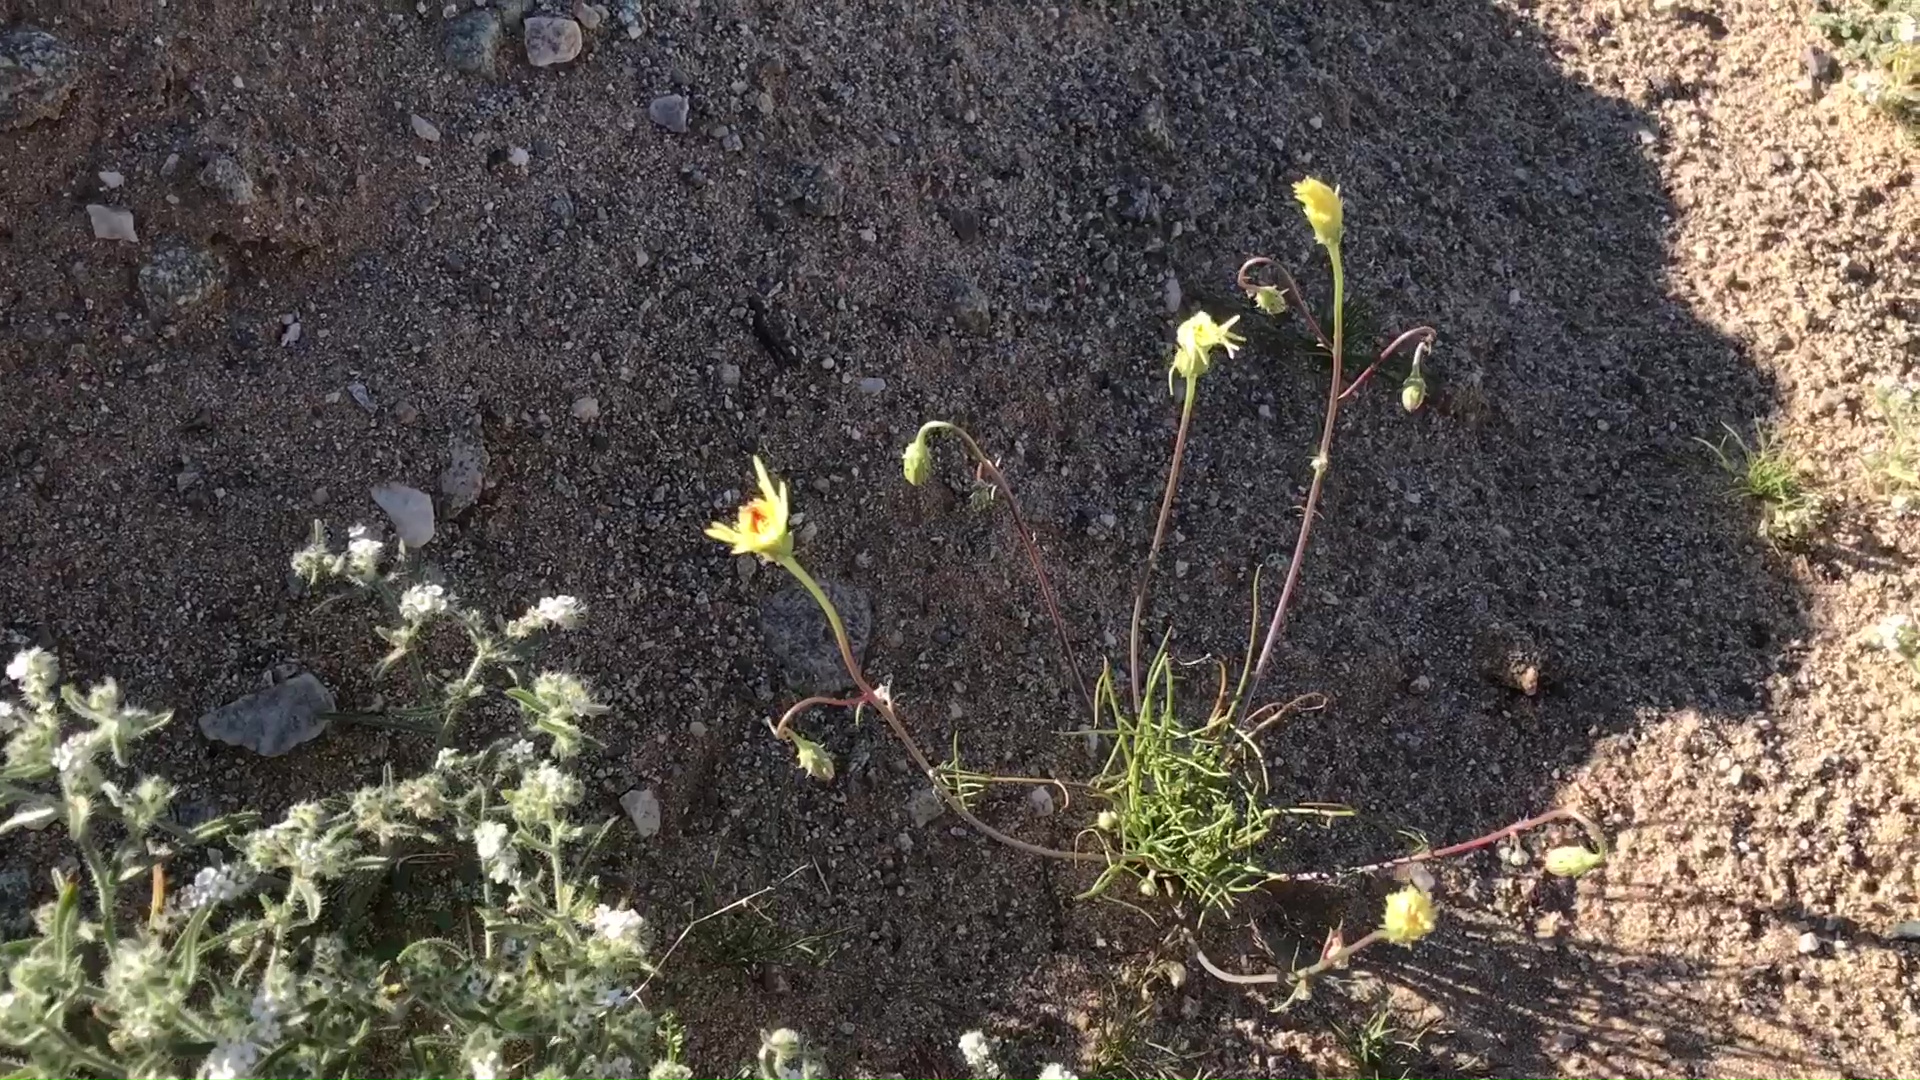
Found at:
<point>410,510</point>
<point>179,278</point>
<point>551,41</point>
<point>643,809</point>
<point>275,720</point>
<point>112,223</point>
<point>670,112</point>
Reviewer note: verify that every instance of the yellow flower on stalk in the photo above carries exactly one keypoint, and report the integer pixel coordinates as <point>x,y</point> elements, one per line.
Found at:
<point>762,528</point>
<point>1198,337</point>
<point>1410,916</point>
<point>1322,205</point>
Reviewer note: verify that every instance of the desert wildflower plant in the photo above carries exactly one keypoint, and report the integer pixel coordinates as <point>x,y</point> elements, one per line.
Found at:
<point>231,948</point>
<point>1181,807</point>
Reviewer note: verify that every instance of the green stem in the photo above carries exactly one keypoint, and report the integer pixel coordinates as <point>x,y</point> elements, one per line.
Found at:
<point>482,652</point>
<point>103,885</point>
<point>1159,537</point>
<point>1321,462</point>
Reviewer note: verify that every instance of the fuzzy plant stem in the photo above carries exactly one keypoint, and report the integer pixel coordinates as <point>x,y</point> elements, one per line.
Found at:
<point>1159,538</point>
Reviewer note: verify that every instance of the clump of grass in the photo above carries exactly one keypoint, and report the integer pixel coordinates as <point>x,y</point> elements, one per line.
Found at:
<point>1882,37</point>
<point>1895,463</point>
<point>1380,1047</point>
<point>1791,511</point>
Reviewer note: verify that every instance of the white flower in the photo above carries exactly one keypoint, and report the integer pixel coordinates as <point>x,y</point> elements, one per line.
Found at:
<point>614,996</point>
<point>565,696</point>
<point>489,838</point>
<point>215,885</point>
<point>664,1069</point>
<point>230,1060</point>
<point>544,790</point>
<point>36,670</point>
<point>363,554</point>
<point>621,925</point>
<point>977,1049</point>
<point>75,754</point>
<point>521,753</point>
<point>423,602</point>
<point>486,1066</point>
<point>1056,1071</point>
<point>552,612</point>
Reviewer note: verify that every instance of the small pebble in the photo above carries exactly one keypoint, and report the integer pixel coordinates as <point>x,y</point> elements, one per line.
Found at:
<point>670,111</point>
<point>873,385</point>
<point>111,180</point>
<point>1808,944</point>
<point>586,409</point>
<point>729,374</point>
<point>551,41</point>
<point>424,128</point>
<point>112,223</point>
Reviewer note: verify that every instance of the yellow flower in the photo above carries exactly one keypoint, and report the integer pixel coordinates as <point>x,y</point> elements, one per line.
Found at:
<point>917,461</point>
<point>1409,916</point>
<point>762,529</point>
<point>1198,337</point>
<point>1322,205</point>
<point>1573,860</point>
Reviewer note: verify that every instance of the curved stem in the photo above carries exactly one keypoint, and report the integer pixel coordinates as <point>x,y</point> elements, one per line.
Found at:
<point>798,707</point>
<point>1321,462</point>
<point>1593,831</point>
<point>1047,596</point>
<point>884,705</point>
<point>1159,537</point>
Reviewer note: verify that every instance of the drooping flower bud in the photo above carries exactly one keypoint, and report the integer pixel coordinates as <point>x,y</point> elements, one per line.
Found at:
<point>1413,392</point>
<point>917,461</point>
<point>1270,300</point>
<point>1573,860</point>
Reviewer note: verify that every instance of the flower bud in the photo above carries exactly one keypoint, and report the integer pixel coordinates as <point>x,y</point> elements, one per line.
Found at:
<point>1413,392</point>
<point>814,760</point>
<point>1107,821</point>
<point>917,462</point>
<point>1572,861</point>
<point>1270,300</point>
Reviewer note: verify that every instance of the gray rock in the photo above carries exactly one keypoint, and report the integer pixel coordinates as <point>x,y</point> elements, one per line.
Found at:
<point>971,310</point>
<point>590,16</point>
<point>275,720</point>
<point>873,384</point>
<point>410,510</point>
<point>471,43</point>
<point>820,191</point>
<point>112,223</point>
<point>924,806</point>
<point>643,809</point>
<point>1152,126</point>
<point>465,475</point>
<point>228,179</point>
<point>424,128</point>
<point>551,41</point>
<point>37,72</point>
<point>1040,801</point>
<point>797,634</point>
<point>585,409</point>
<point>670,112</point>
<point>179,278</point>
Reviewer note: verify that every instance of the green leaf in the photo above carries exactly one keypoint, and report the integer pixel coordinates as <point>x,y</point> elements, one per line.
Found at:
<point>37,817</point>
<point>526,699</point>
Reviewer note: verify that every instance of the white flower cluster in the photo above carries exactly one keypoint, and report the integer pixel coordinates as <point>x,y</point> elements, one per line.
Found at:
<point>361,563</point>
<point>565,696</point>
<point>214,885</point>
<point>36,671</point>
<point>981,1053</point>
<point>498,857</point>
<point>237,1055</point>
<point>73,757</point>
<point>1900,635</point>
<point>621,926</point>
<point>422,602</point>
<point>551,613</point>
<point>486,1066</point>
<point>543,794</point>
<point>978,1051</point>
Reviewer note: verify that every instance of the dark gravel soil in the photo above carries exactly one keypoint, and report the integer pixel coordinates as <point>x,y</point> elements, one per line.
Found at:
<point>1628,222</point>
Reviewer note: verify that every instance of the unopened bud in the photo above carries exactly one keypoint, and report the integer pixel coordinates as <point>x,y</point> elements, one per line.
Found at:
<point>1572,861</point>
<point>1107,821</point>
<point>917,462</point>
<point>1413,392</point>
<point>812,758</point>
<point>1270,300</point>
